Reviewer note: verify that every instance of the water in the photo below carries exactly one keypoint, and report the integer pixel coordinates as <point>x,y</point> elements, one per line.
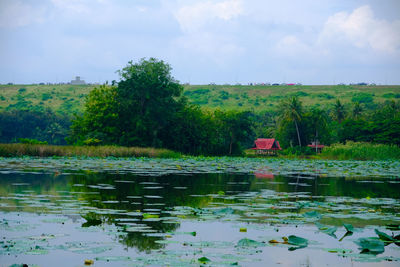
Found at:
<point>181,220</point>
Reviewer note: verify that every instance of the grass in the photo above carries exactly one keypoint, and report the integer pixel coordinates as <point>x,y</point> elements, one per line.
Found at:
<point>18,150</point>
<point>68,99</point>
<point>360,151</point>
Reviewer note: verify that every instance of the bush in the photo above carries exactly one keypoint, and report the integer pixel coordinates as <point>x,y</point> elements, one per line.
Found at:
<point>362,98</point>
<point>361,151</point>
<point>31,141</point>
<point>37,150</point>
<point>298,151</point>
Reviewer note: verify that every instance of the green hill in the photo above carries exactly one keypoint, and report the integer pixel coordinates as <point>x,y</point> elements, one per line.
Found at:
<point>69,99</point>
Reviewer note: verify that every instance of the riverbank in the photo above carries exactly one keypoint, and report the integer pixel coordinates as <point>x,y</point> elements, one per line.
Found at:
<point>36,150</point>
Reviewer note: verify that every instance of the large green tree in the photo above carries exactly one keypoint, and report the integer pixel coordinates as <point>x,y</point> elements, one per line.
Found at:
<point>148,98</point>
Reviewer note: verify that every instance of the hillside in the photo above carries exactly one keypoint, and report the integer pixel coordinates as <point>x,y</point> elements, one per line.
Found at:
<point>69,99</point>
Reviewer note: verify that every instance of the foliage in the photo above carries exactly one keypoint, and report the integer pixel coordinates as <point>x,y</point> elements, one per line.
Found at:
<point>31,141</point>
<point>291,112</point>
<point>45,126</point>
<point>18,150</point>
<point>361,151</point>
<point>338,112</point>
<point>147,109</point>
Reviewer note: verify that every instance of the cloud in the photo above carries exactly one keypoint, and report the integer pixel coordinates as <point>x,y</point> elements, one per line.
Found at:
<point>14,14</point>
<point>194,17</point>
<point>363,30</point>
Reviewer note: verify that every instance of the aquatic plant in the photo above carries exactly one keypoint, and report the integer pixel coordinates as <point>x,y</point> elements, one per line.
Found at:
<point>18,150</point>
<point>361,151</point>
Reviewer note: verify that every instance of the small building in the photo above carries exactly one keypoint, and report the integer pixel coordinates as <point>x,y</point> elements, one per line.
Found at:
<point>78,81</point>
<point>316,146</point>
<point>266,146</point>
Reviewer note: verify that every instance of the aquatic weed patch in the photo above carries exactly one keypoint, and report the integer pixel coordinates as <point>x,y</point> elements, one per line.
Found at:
<point>197,165</point>
<point>189,220</point>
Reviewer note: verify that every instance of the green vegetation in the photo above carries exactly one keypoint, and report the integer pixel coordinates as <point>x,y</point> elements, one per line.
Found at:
<point>44,126</point>
<point>149,108</point>
<point>35,150</point>
<point>361,151</point>
<point>225,97</point>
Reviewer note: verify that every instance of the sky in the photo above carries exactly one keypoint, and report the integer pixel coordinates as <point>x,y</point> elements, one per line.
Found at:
<point>204,41</point>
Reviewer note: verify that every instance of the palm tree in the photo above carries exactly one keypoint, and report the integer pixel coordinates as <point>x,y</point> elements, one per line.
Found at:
<point>338,111</point>
<point>319,122</point>
<point>292,111</point>
<point>357,109</point>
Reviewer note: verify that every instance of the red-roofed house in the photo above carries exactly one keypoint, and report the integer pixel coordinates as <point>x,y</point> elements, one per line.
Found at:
<point>268,146</point>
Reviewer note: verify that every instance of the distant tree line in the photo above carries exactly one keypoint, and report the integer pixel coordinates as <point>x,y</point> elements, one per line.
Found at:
<point>147,108</point>
<point>45,126</point>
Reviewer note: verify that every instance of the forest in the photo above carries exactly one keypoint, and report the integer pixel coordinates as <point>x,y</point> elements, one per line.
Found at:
<point>149,108</point>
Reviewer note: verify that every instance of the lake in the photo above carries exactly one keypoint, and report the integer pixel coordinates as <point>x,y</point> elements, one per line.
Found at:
<point>189,212</point>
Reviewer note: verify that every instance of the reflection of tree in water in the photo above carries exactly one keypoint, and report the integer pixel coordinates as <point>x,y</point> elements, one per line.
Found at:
<point>151,195</point>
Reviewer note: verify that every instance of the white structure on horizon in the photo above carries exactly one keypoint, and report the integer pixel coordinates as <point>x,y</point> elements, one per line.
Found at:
<point>78,81</point>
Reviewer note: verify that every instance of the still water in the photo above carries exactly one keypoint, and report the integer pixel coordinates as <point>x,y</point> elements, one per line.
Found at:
<point>190,220</point>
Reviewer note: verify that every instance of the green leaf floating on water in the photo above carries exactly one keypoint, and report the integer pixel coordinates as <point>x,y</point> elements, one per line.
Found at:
<point>245,242</point>
<point>297,241</point>
<point>348,227</point>
<point>204,260</point>
<point>384,237</point>
<point>371,245</point>
<point>312,214</point>
<point>327,230</point>
<point>224,211</point>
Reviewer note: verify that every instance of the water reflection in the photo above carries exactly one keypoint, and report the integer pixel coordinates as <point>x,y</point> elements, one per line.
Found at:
<point>148,209</point>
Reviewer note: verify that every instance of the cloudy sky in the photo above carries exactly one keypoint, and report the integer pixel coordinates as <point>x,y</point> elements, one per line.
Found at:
<point>221,41</point>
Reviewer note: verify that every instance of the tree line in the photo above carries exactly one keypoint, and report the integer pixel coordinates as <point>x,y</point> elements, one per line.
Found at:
<point>147,108</point>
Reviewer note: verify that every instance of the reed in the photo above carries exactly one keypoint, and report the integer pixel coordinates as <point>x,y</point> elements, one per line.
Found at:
<point>35,150</point>
<point>361,151</point>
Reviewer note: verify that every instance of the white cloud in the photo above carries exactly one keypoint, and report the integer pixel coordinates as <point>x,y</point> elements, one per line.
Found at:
<point>363,30</point>
<point>14,14</point>
<point>194,17</point>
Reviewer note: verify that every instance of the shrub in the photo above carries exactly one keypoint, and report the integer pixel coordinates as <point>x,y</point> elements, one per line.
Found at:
<point>362,98</point>
<point>361,151</point>
<point>31,141</point>
<point>37,150</point>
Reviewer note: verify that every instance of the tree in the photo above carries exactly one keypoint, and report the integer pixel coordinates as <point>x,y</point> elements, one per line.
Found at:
<point>100,120</point>
<point>291,111</point>
<point>147,96</point>
<point>319,123</point>
<point>357,110</point>
<point>235,129</point>
<point>339,111</point>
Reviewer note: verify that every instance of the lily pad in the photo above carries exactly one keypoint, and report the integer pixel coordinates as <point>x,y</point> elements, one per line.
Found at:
<point>245,242</point>
<point>297,241</point>
<point>204,260</point>
<point>370,245</point>
<point>384,237</point>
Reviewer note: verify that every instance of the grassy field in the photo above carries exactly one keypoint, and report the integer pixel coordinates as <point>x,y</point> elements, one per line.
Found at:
<point>69,99</point>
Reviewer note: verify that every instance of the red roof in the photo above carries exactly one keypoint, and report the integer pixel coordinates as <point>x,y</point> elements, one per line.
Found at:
<point>266,144</point>
<point>318,146</point>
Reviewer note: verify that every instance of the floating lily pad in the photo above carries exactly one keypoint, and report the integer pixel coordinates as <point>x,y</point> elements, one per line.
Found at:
<point>371,245</point>
<point>245,242</point>
<point>297,241</point>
